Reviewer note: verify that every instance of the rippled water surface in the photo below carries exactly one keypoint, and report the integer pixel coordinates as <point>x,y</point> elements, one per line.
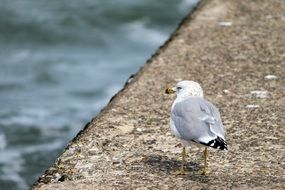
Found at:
<point>60,62</point>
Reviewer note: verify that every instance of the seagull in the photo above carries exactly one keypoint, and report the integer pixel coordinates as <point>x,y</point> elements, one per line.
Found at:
<point>195,120</point>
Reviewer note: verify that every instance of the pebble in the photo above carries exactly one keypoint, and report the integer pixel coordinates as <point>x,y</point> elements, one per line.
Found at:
<point>259,93</point>
<point>139,129</point>
<point>226,91</point>
<point>271,77</point>
<point>57,176</point>
<point>225,23</point>
<point>252,106</point>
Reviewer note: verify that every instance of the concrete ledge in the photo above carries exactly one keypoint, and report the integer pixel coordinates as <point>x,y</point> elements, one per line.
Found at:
<point>230,47</point>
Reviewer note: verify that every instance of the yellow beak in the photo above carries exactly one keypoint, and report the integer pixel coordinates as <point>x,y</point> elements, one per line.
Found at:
<point>169,91</point>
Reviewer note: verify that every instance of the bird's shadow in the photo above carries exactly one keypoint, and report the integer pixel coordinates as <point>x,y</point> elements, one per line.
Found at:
<point>170,165</point>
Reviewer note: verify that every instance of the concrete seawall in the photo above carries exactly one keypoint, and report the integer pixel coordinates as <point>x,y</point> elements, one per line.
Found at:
<point>236,51</point>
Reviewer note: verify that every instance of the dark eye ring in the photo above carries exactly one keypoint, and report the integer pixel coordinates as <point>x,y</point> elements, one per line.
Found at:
<point>179,88</point>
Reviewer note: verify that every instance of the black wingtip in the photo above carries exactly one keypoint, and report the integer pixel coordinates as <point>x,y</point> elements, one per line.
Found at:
<point>217,143</point>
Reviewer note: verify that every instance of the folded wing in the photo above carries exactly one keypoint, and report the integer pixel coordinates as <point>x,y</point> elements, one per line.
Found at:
<point>198,120</point>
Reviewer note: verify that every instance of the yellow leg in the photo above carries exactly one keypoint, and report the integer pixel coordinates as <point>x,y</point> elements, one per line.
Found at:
<point>206,154</point>
<point>183,154</point>
<point>181,170</point>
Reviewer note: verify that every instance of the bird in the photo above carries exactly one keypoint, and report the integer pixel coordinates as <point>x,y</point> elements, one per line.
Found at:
<point>194,120</point>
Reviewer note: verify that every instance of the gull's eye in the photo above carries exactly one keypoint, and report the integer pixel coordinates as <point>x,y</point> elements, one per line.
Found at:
<point>179,88</point>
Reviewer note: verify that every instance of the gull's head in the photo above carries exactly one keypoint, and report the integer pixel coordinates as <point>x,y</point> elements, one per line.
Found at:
<point>186,88</point>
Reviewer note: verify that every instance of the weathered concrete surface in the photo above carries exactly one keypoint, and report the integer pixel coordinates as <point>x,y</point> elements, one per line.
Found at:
<point>227,46</point>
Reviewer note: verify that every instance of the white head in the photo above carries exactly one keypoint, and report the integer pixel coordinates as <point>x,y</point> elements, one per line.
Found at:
<point>186,88</point>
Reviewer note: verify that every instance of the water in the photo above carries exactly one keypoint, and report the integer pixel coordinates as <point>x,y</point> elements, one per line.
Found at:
<point>60,62</point>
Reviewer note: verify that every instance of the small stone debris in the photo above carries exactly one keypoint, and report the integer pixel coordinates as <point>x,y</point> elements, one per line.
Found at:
<point>139,129</point>
<point>252,106</point>
<point>225,23</point>
<point>271,77</point>
<point>57,176</point>
<point>226,91</point>
<point>259,93</point>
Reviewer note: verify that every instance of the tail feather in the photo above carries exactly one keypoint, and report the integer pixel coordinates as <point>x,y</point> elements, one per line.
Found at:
<point>217,143</point>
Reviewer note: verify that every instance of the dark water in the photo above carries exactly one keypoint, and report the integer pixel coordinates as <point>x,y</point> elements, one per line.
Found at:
<point>60,62</point>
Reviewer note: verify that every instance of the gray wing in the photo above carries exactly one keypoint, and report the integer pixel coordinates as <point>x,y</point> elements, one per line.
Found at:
<point>197,119</point>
